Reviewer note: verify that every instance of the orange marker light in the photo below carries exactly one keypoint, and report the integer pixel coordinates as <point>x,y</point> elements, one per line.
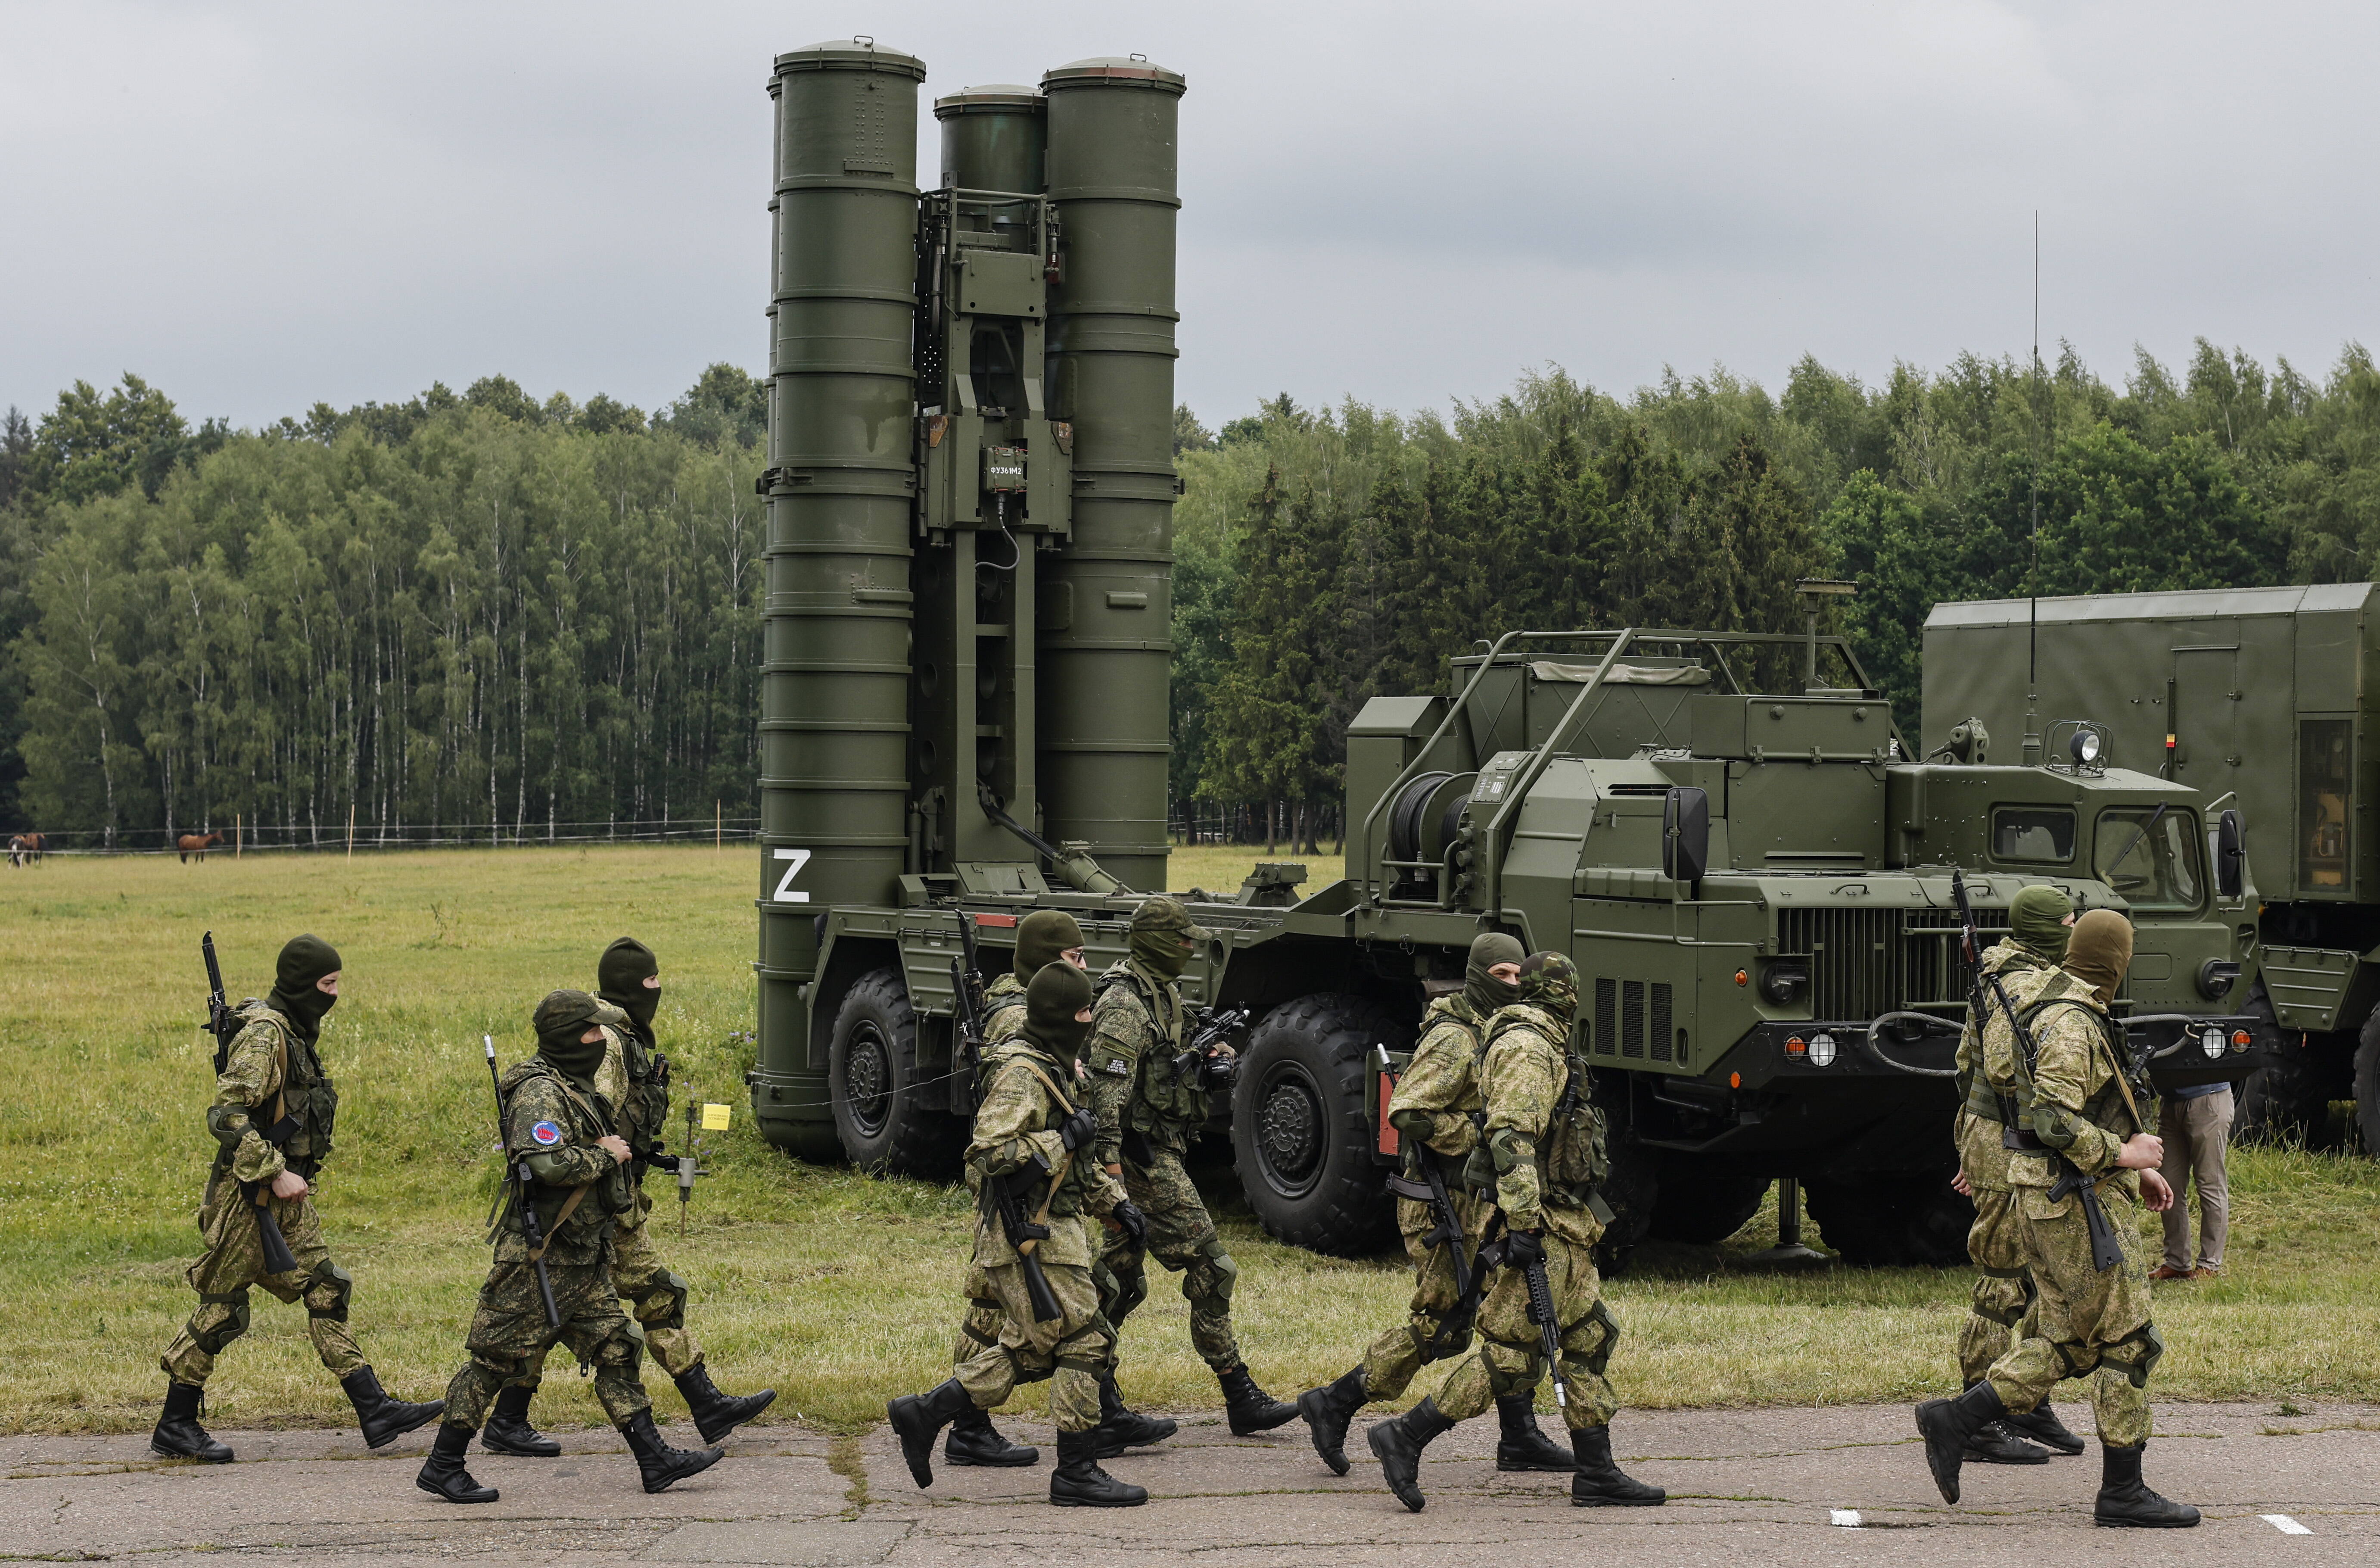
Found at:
<point>1735,1080</point>
<point>2240,1039</point>
<point>1797,1046</point>
<point>1743,978</point>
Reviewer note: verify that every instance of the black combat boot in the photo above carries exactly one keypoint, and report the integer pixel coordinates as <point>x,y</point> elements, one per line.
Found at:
<point>715,1414</point>
<point>1996,1444</point>
<point>384,1420</point>
<point>1949,1425</point>
<point>1078,1482</point>
<point>1121,1426</point>
<point>1328,1410</point>
<point>1250,1408</point>
<point>1598,1482</point>
<point>508,1431</point>
<point>2125,1500</point>
<point>975,1440</point>
<point>442,1473</point>
<point>2042,1426</point>
<point>1397,1444</point>
<point>178,1434</point>
<point>662,1465</point>
<point>1523,1446</point>
<point>919,1418</point>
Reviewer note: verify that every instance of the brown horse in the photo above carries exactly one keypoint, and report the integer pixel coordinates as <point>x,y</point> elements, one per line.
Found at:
<point>27,850</point>
<point>195,843</point>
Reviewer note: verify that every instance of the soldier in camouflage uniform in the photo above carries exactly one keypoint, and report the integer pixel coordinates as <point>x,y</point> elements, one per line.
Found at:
<point>1432,1111</point>
<point>2002,1297</point>
<point>1148,1114</point>
<point>1545,1148</point>
<point>634,1080</point>
<point>1033,1139</point>
<point>557,1125</point>
<point>2078,1102</point>
<point>270,1121</point>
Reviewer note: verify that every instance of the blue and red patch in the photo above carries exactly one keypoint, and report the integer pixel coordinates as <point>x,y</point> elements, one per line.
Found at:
<point>546,1134</point>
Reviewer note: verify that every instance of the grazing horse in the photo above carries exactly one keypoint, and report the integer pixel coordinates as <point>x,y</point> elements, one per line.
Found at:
<point>26,849</point>
<point>195,843</point>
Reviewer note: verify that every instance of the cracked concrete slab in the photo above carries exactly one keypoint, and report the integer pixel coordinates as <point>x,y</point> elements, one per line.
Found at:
<point>1761,1482</point>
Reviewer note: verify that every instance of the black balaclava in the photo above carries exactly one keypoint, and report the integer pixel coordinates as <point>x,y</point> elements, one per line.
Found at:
<point>306,959</point>
<point>1483,991</point>
<point>1042,937</point>
<point>1058,993</point>
<point>620,978</point>
<point>560,1021</point>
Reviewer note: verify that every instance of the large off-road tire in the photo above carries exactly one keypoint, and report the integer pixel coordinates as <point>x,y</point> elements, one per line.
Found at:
<point>1300,1127</point>
<point>1703,1203</point>
<point>1891,1218</point>
<point>2367,1087</point>
<point>1633,1191</point>
<point>884,1121</point>
<point>2286,1102</point>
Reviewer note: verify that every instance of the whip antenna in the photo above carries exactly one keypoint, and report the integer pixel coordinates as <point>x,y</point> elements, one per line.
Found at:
<point>2033,571</point>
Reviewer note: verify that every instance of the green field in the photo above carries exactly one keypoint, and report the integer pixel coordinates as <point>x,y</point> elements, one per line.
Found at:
<point>836,1288</point>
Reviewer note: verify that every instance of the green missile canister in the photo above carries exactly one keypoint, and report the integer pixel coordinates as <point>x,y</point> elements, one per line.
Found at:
<point>840,483</point>
<point>995,137</point>
<point>1106,599</point>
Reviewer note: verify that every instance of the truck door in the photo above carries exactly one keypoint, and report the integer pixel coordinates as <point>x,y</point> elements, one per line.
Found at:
<point>2201,705</point>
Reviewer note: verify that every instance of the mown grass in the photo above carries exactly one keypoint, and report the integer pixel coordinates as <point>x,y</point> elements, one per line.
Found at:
<point>834,1287</point>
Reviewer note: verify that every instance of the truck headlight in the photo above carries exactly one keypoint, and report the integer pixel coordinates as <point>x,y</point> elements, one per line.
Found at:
<point>2216,976</point>
<point>2212,1042</point>
<point>1781,985</point>
<point>1822,1051</point>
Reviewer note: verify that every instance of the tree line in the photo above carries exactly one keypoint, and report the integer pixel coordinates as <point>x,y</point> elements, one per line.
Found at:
<point>486,613</point>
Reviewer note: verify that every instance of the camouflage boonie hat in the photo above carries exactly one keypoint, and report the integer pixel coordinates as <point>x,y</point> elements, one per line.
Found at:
<point>1164,914</point>
<point>564,1010</point>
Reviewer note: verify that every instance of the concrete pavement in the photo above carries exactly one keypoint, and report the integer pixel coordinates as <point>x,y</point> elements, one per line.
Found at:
<point>1780,1484</point>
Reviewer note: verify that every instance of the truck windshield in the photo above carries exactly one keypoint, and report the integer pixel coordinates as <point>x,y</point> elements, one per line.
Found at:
<point>2150,856</point>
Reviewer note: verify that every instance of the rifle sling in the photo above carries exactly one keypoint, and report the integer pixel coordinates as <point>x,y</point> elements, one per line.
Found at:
<point>569,1207</point>
<point>1065,1160</point>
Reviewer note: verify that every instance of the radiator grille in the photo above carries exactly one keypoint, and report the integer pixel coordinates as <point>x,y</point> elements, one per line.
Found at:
<point>1661,1012</point>
<point>1632,1018</point>
<point>1866,962</point>
<point>1607,1017</point>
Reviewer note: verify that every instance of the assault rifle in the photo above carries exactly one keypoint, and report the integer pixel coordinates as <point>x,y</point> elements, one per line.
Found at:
<point>1006,1196</point>
<point>225,1023</point>
<point>966,1008</point>
<point>1541,1313</point>
<point>524,1191</point>
<point>2106,1252</point>
<point>1216,1027</point>
<point>1446,1224</point>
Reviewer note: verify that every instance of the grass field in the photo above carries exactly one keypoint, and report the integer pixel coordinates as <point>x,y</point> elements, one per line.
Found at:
<point>835,1288</point>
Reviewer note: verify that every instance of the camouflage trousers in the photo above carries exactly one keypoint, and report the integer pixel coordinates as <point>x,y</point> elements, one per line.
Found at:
<point>510,1336</point>
<point>1182,1237</point>
<point>1397,1357</point>
<point>1510,1358</point>
<point>235,1260</point>
<point>980,1327</point>
<point>1070,1350</point>
<point>654,1295</point>
<point>2085,1323</point>
<point>1999,1308</point>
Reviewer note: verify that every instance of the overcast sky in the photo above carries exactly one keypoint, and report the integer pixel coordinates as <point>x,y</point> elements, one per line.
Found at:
<point>257,206</point>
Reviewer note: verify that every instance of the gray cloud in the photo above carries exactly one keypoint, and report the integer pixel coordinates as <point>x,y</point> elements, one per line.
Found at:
<point>260,205</point>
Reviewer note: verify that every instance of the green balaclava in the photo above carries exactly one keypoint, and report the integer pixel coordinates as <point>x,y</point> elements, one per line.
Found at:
<point>2100,951</point>
<point>1550,982</point>
<point>304,961</point>
<point>560,1020</point>
<point>1052,997</point>
<point>2037,919</point>
<point>619,976</point>
<point>1483,991</point>
<point>1042,937</point>
<point>1162,937</point>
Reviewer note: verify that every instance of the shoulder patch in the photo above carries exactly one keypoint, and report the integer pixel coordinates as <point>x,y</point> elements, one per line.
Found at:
<point>546,1134</point>
<point>1119,1066</point>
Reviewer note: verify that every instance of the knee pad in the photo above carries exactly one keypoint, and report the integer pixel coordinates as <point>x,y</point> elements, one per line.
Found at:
<point>212,1340</point>
<point>1430,1346</point>
<point>2137,1355</point>
<point>623,1347</point>
<point>335,1286</point>
<point>1211,1275</point>
<point>1511,1368</point>
<point>1598,1360</point>
<point>1131,1290</point>
<point>663,1307</point>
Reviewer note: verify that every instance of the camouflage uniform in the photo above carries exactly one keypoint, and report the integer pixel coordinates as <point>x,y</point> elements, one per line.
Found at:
<point>1003,1020</point>
<point>556,1127</point>
<point>2003,1292</point>
<point>272,1071</point>
<point>2086,1322</point>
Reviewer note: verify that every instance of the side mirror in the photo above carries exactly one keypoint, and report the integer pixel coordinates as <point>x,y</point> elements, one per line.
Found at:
<point>2230,856</point>
<point>1685,834</point>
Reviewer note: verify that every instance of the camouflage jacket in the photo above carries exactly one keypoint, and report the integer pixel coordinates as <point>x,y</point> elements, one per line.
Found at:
<point>1136,1031</point>
<point>2080,1104</point>
<point>1978,1128</point>
<point>1440,1089</point>
<point>1544,1162</point>
<point>554,1127</point>
<point>1016,1126</point>
<point>1003,1012</point>
<point>268,1073</point>
<point>634,1080</point>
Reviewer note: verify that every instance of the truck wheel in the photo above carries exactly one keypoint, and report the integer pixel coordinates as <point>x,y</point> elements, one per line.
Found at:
<point>1300,1127</point>
<point>1703,1203</point>
<point>2286,1102</point>
<point>1632,1189</point>
<point>881,1118</point>
<point>1892,1219</point>
<point>2367,1087</point>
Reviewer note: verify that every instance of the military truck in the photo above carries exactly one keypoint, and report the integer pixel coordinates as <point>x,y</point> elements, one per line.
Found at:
<point>964,718</point>
<point>2265,699</point>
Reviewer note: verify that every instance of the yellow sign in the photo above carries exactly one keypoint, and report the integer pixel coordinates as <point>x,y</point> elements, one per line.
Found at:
<point>714,1118</point>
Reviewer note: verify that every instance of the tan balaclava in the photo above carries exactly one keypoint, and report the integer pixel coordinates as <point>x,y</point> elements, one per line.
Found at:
<point>2100,951</point>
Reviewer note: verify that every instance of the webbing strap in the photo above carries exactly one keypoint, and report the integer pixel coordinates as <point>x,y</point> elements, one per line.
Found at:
<point>569,1207</point>
<point>1065,1160</point>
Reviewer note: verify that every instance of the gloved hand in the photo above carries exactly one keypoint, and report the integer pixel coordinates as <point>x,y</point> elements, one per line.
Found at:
<point>1135,1223</point>
<point>1221,1069</point>
<point>1480,1169</point>
<point>1523,1250</point>
<point>1079,1129</point>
